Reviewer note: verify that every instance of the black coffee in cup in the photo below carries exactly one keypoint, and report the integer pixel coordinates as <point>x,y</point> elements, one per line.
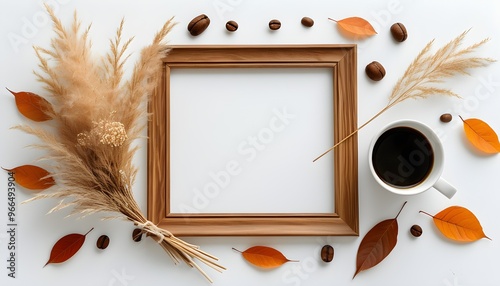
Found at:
<point>402,157</point>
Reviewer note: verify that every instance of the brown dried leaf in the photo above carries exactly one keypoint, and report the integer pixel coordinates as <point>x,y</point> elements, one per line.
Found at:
<point>66,247</point>
<point>32,177</point>
<point>33,106</point>
<point>377,244</point>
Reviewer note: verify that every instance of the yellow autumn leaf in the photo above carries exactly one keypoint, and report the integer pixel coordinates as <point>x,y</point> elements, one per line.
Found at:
<point>459,224</point>
<point>356,25</point>
<point>264,256</point>
<point>481,135</point>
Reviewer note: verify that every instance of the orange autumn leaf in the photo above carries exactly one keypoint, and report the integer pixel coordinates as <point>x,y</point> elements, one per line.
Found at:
<point>459,224</point>
<point>481,135</point>
<point>264,257</point>
<point>32,177</point>
<point>356,25</point>
<point>32,106</point>
<point>66,247</point>
<point>377,244</point>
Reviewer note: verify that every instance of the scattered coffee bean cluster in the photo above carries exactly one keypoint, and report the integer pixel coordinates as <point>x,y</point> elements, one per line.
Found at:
<point>374,70</point>
<point>103,240</point>
<point>201,22</point>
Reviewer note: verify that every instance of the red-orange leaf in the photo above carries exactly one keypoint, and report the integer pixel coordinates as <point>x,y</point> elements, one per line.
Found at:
<point>66,247</point>
<point>32,106</point>
<point>265,257</point>
<point>459,224</point>
<point>32,177</point>
<point>481,135</point>
<point>356,25</point>
<point>377,244</point>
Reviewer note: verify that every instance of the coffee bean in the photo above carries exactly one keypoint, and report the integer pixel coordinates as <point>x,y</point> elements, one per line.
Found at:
<point>102,242</point>
<point>416,230</point>
<point>399,32</point>
<point>446,118</point>
<point>137,235</point>
<point>375,71</point>
<point>306,21</point>
<point>327,253</point>
<point>198,24</point>
<point>274,24</point>
<point>231,26</point>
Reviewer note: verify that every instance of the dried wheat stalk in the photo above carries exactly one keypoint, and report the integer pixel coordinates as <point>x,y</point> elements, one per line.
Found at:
<point>427,70</point>
<point>97,116</point>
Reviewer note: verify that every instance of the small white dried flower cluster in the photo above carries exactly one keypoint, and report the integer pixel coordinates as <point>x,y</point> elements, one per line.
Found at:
<point>105,132</point>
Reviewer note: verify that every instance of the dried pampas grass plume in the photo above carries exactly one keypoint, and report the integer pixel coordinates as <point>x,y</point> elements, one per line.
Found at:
<point>427,70</point>
<point>97,115</point>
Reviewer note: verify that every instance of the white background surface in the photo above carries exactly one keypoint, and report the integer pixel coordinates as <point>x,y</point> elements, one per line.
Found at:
<point>428,260</point>
<point>258,120</point>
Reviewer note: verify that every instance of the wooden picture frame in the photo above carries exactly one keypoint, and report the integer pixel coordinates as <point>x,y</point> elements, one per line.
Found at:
<point>343,221</point>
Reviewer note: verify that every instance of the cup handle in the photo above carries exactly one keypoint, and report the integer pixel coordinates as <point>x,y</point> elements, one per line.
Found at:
<point>445,188</point>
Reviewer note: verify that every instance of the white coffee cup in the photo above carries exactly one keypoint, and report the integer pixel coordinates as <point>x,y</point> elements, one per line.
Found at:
<point>393,177</point>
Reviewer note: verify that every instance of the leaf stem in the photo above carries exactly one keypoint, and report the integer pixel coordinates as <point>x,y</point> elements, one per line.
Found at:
<point>332,20</point>
<point>426,213</point>
<point>236,250</point>
<point>467,124</point>
<point>88,231</point>
<point>13,93</point>
<point>400,210</point>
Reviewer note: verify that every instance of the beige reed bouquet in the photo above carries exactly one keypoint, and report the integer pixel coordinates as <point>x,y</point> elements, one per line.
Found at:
<point>95,117</point>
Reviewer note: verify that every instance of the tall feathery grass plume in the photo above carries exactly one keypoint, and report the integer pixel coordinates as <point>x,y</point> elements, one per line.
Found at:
<point>96,116</point>
<point>423,76</point>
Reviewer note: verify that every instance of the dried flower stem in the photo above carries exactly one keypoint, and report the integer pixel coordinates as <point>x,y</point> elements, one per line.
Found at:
<point>427,70</point>
<point>354,132</point>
